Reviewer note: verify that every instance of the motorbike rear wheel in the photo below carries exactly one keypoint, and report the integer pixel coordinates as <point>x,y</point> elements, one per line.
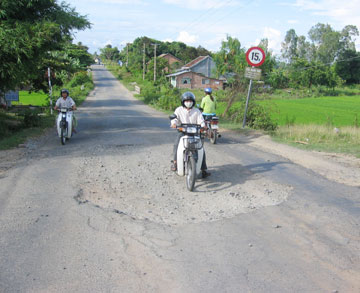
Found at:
<point>213,136</point>
<point>191,173</point>
<point>62,136</point>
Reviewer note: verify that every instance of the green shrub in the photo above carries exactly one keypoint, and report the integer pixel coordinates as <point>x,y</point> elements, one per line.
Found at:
<point>31,118</point>
<point>79,79</point>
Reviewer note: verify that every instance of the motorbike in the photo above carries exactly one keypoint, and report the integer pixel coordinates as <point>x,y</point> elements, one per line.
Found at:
<point>64,124</point>
<point>190,152</point>
<point>212,131</point>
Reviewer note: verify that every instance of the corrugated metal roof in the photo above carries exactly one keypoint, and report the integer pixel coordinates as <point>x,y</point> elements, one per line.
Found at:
<point>195,61</point>
<point>165,54</point>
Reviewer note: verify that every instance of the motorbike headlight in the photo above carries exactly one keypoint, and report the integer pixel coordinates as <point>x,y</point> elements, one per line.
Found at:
<point>191,130</point>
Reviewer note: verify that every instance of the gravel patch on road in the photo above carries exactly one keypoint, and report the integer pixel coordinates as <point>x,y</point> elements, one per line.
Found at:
<point>137,181</point>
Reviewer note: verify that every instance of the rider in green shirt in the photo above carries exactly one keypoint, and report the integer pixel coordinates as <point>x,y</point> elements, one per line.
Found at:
<point>208,103</point>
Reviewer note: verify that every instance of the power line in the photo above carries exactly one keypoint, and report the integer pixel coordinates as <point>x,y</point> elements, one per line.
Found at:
<point>324,64</point>
<point>211,10</point>
<point>220,19</point>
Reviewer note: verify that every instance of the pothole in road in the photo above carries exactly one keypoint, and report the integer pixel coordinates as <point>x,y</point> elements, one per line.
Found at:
<point>138,182</point>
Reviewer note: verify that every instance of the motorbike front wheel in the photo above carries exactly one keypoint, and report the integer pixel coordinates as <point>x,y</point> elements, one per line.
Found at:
<point>191,173</point>
<point>213,136</point>
<point>62,136</point>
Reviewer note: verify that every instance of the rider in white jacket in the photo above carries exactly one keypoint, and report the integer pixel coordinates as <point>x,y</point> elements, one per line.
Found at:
<point>65,101</point>
<point>187,113</point>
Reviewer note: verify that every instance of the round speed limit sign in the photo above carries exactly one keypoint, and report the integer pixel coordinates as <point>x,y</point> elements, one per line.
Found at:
<point>255,56</point>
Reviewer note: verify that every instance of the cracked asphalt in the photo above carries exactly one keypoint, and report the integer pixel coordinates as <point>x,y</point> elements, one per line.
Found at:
<point>104,213</point>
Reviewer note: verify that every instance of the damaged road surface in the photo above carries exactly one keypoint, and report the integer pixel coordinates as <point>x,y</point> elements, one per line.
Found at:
<point>104,213</point>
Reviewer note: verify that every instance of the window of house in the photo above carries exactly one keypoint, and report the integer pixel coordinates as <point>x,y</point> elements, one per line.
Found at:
<point>205,81</point>
<point>186,80</point>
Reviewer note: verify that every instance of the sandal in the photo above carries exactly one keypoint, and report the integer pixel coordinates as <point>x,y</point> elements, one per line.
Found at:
<point>205,174</point>
<point>173,166</point>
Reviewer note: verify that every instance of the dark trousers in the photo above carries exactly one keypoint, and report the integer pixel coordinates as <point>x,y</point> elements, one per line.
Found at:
<point>180,135</point>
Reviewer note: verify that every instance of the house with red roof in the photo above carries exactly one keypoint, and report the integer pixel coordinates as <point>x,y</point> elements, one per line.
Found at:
<point>172,61</point>
<point>197,74</point>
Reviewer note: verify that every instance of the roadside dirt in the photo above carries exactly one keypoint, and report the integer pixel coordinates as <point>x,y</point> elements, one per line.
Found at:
<point>340,168</point>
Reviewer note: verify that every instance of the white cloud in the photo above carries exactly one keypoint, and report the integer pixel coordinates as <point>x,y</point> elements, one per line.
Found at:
<point>202,4</point>
<point>274,38</point>
<point>292,21</point>
<point>186,38</point>
<point>343,12</point>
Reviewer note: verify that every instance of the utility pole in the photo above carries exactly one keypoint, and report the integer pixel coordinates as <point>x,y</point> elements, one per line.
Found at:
<point>144,63</point>
<point>127,54</point>
<point>155,62</point>
<point>50,90</point>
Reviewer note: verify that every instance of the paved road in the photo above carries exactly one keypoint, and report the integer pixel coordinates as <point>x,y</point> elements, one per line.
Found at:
<point>104,213</point>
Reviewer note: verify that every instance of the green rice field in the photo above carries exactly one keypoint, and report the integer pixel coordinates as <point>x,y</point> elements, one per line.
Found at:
<point>336,111</point>
<point>34,99</point>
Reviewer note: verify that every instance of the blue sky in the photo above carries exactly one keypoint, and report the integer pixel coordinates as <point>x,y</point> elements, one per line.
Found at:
<point>206,23</point>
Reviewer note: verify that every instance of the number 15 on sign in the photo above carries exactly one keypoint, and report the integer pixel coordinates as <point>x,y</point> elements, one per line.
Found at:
<point>255,56</point>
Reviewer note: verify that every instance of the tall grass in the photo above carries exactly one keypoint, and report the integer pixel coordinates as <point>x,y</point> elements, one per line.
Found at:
<point>322,137</point>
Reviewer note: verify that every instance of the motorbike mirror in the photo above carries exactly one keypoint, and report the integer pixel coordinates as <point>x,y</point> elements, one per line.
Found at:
<point>173,116</point>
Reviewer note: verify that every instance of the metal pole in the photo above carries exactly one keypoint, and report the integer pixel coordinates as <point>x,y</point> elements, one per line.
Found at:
<point>50,91</point>
<point>247,103</point>
<point>155,62</point>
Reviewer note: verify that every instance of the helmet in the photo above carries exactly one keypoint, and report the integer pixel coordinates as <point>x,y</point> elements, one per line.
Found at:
<point>208,90</point>
<point>64,91</point>
<point>188,96</point>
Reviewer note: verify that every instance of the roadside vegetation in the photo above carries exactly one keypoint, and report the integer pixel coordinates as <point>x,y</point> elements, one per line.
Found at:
<point>19,124</point>
<point>35,36</point>
<point>309,97</point>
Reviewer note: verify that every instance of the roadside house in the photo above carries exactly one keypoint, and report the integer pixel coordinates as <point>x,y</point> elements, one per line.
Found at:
<point>171,60</point>
<point>197,74</point>
<point>193,80</point>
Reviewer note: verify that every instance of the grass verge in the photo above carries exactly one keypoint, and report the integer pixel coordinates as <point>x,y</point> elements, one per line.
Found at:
<point>20,136</point>
<point>321,138</point>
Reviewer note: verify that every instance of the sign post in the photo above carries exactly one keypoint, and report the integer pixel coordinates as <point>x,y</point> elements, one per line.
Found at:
<point>255,57</point>
<point>50,91</point>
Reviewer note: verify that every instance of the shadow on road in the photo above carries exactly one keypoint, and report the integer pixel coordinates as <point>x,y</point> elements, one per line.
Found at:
<point>225,176</point>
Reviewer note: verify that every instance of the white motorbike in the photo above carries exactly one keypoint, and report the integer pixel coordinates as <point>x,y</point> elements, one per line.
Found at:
<point>190,153</point>
<point>64,124</point>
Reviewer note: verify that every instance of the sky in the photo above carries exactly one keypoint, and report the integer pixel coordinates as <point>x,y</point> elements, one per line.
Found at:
<point>206,23</point>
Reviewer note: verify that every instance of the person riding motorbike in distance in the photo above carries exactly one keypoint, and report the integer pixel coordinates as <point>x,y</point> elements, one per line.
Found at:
<point>65,101</point>
<point>187,113</point>
<point>208,104</point>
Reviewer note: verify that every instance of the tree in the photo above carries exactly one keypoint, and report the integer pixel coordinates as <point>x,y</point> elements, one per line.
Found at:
<point>270,61</point>
<point>304,49</point>
<point>348,66</point>
<point>29,32</point>
<point>307,74</point>
<point>330,43</point>
<point>231,62</point>
<point>289,46</point>
<point>110,53</point>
